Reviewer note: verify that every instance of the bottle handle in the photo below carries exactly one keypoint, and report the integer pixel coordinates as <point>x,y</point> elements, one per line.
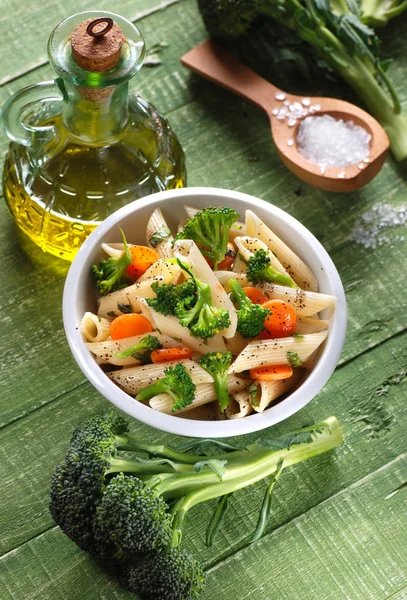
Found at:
<point>12,114</point>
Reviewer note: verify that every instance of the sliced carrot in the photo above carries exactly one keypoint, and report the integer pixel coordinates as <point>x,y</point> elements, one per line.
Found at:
<point>255,295</point>
<point>227,262</point>
<point>271,372</point>
<point>142,259</point>
<point>168,354</point>
<point>282,321</point>
<point>128,325</point>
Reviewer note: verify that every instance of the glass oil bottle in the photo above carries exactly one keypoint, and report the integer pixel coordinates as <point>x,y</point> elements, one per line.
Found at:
<point>81,146</point>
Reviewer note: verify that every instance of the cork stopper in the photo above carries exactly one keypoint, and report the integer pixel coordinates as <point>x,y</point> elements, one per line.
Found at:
<point>96,44</point>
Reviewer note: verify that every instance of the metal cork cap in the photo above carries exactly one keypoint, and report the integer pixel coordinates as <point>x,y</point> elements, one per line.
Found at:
<point>97,44</point>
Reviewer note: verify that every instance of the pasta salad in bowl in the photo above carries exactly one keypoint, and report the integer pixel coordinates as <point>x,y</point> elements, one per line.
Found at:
<point>205,312</point>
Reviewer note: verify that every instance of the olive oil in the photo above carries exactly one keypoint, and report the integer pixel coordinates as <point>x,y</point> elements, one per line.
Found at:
<point>76,186</point>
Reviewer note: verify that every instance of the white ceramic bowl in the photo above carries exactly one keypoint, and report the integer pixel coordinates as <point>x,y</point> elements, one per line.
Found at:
<point>79,297</point>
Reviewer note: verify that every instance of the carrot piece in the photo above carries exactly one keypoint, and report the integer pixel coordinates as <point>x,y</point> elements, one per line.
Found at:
<point>271,372</point>
<point>227,262</point>
<point>255,295</point>
<point>128,325</point>
<point>168,354</point>
<point>283,319</point>
<point>142,258</point>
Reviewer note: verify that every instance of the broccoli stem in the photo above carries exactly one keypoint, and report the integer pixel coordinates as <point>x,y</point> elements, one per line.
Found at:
<point>246,468</point>
<point>220,383</point>
<point>120,465</point>
<point>133,443</point>
<point>377,13</point>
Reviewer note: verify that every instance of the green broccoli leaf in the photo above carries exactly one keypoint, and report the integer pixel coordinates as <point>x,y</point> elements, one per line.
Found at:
<point>215,465</point>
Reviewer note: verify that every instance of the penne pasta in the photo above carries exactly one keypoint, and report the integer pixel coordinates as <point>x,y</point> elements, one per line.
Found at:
<point>275,351</point>
<point>308,325</point>
<point>247,246</point>
<point>188,252</point>
<point>94,328</point>
<point>133,379</point>
<point>268,391</point>
<point>106,350</point>
<point>204,394</point>
<point>172,327</point>
<point>128,299</point>
<point>161,267</point>
<point>239,406</point>
<point>239,265</point>
<point>224,276</point>
<point>305,303</point>
<point>299,271</point>
<point>235,344</point>
<point>159,235</point>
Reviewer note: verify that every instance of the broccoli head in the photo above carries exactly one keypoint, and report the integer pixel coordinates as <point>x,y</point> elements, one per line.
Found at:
<point>168,296</point>
<point>109,272</point>
<point>259,269</point>
<point>78,483</point>
<point>203,319</point>
<point>209,229</point>
<point>229,18</point>
<point>177,383</point>
<point>218,364</point>
<point>171,575</point>
<point>132,518</point>
<point>142,350</point>
<point>250,316</point>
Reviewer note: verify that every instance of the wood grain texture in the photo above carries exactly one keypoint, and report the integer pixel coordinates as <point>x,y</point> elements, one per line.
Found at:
<point>331,534</point>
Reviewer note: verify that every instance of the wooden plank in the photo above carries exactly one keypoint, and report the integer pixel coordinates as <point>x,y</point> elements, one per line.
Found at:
<point>349,547</point>
<point>32,446</point>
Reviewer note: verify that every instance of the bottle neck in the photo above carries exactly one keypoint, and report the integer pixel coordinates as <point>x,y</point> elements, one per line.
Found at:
<point>95,115</point>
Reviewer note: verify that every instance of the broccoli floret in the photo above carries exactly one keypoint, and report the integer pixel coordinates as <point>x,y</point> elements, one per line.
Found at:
<point>168,296</point>
<point>250,316</point>
<point>177,383</point>
<point>109,272</point>
<point>203,319</point>
<point>229,18</point>
<point>172,575</point>
<point>142,350</point>
<point>259,269</point>
<point>132,517</point>
<point>209,229</point>
<point>218,364</point>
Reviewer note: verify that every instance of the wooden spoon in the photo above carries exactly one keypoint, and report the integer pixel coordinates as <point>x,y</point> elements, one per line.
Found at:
<point>286,111</point>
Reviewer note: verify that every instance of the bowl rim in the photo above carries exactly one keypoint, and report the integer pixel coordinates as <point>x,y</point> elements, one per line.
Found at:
<point>198,428</point>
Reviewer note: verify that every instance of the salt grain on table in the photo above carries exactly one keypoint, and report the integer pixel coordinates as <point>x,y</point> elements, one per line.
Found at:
<point>330,142</point>
<point>368,230</point>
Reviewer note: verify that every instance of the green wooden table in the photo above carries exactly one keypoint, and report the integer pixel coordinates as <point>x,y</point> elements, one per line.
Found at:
<point>336,532</point>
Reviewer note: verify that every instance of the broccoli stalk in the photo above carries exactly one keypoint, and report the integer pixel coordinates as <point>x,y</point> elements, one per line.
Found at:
<point>377,13</point>
<point>218,364</point>
<point>209,229</point>
<point>109,272</point>
<point>250,316</point>
<point>342,40</point>
<point>120,510</point>
<point>142,350</point>
<point>177,383</point>
<point>203,319</point>
<point>259,269</point>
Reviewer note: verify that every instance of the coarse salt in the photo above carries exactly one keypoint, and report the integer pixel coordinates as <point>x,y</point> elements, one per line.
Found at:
<point>330,142</point>
<point>369,229</point>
